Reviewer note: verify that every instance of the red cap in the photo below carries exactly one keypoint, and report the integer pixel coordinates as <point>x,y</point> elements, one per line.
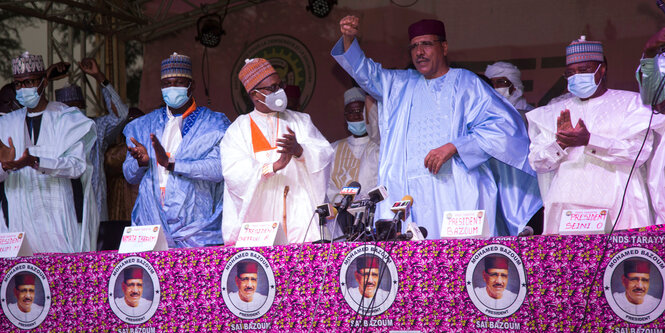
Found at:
<point>427,27</point>
<point>133,273</point>
<point>367,262</point>
<point>25,278</point>
<point>247,266</point>
<point>498,262</point>
<point>636,266</point>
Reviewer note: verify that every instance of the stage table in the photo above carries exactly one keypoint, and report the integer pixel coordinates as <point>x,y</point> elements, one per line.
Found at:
<point>426,286</point>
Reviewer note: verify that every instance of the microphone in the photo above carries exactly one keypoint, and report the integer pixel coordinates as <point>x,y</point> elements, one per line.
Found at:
<point>402,208</point>
<point>378,194</point>
<point>349,191</point>
<point>326,210</point>
<point>408,235</point>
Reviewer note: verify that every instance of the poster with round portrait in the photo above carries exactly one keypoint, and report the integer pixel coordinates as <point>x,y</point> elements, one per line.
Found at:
<point>368,280</point>
<point>496,281</point>
<point>633,285</point>
<point>26,296</point>
<point>248,285</point>
<point>134,291</point>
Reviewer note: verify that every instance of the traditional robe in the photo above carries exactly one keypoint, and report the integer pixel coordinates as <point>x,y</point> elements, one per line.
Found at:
<point>40,201</point>
<point>257,302</point>
<point>140,309</point>
<point>35,311</point>
<point>355,159</point>
<point>108,127</point>
<point>649,304</point>
<point>505,301</point>
<point>594,176</point>
<point>189,206</point>
<point>379,298</point>
<point>253,194</point>
<point>490,171</point>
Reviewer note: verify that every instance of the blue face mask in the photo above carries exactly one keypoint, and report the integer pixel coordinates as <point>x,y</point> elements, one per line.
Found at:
<point>357,128</point>
<point>29,97</point>
<point>583,85</point>
<point>175,97</point>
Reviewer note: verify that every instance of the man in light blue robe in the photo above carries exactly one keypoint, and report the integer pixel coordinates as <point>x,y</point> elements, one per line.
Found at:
<point>447,139</point>
<point>173,152</point>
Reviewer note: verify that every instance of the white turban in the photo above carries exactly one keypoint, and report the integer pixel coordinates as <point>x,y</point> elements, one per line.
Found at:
<point>354,94</point>
<point>510,71</point>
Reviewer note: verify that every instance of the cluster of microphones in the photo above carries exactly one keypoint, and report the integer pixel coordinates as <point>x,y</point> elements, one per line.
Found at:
<point>360,226</point>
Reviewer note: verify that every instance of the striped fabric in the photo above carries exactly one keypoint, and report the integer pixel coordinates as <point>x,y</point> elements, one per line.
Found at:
<point>582,50</point>
<point>254,71</point>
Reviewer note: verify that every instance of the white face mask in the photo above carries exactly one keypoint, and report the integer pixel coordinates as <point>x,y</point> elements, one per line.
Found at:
<point>503,91</point>
<point>275,101</point>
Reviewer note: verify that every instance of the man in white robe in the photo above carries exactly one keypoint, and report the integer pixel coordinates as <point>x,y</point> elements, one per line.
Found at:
<point>276,164</point>
<point>43,147</point>
<point>368,294</point>
<point>247,298</point>
<point>635,279</point>
<point>495,294</point>
<point>586,165</point>
<point>447,139</point>
<point>133,303</point>
<point>25,308</point>
<point>506,80</point>
<point>356,156</point>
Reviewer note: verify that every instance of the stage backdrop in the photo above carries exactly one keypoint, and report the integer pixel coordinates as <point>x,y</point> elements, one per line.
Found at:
<point>531,34</point>
<point>538,284</point>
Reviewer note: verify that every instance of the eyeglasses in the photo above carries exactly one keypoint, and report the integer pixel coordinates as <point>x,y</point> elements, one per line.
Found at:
<point>272,88</point>
<point>425,44</point>
<point>353,111</point>
<point>27,83</point>
<point>502,82</point>
<point>589,69</point>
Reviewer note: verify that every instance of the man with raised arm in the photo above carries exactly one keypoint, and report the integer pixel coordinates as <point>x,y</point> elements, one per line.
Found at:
<point>447,139</point>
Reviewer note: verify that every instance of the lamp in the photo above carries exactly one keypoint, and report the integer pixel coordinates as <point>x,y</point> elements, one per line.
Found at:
<point>321,8</point>
<point>210,30</point>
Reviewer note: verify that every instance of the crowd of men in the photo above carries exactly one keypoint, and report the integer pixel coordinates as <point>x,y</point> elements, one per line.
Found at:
<point>442,135</point>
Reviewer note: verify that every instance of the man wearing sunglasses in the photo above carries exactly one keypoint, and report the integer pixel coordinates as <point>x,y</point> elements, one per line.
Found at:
<point>584,147</point>
<point>43,147</point>
<point>268,150</point>
<point>506,80</point>
<point>444,135</point>
<point>173,153</point>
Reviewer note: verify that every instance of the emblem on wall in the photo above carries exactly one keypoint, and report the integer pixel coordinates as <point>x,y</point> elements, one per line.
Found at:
<point>290,58</point>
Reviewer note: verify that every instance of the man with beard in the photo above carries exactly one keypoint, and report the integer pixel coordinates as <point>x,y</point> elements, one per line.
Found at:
<point>25,309</point>
<point>367,274</point>
<point>635,278</point>
<point>447,138</point>
<point>495,295</point>
<point>132,303</point>
<point>246,298</point>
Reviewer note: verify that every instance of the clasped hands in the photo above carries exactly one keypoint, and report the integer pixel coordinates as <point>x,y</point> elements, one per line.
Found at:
<point>8,154</point>
<point>289,147</point>
<point>569,136</point>
<point>140,153</point>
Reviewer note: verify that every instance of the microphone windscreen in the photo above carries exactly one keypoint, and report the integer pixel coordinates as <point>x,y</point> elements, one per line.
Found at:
<point>408,198</point>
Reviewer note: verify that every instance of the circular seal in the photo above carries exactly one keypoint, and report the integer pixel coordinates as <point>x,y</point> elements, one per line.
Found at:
<point>290,58</point>
<point>633,285</point>
<point>496,280</point>
<point>368,280</point>
<point>134,291</point>
<point>26,296</point>
<point>248,285</point>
